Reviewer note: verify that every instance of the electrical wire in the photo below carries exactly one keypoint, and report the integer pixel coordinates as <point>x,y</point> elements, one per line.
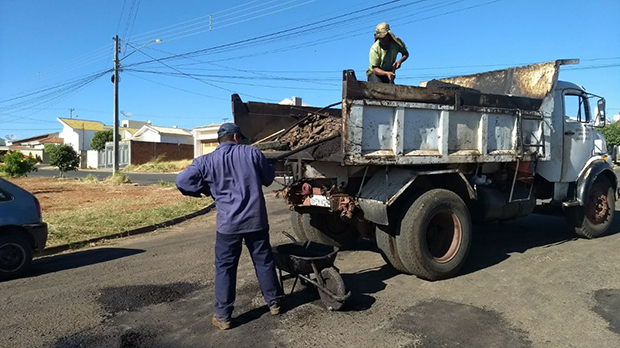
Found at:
<point>201,80</point>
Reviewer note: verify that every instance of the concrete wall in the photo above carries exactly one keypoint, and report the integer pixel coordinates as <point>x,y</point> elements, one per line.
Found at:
<point>37,153</point>
<point>92,159</point>
<point>142,152</point>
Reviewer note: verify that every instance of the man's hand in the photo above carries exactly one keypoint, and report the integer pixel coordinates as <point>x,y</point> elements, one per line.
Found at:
<point>390,75</point>
<point>396,65</point>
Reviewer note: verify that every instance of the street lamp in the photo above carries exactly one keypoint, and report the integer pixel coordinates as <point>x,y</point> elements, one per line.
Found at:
<point>117,63</point>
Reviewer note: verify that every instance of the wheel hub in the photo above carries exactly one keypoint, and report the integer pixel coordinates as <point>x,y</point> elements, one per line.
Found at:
<point>598,207</point>
<point>444,235</point>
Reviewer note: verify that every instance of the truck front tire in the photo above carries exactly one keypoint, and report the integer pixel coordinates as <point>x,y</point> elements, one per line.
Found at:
<point>435,235</point>
<point>593,219</point>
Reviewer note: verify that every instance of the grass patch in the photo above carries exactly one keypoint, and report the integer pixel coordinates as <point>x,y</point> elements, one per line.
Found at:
<point>166,183</point>
<point>78,210</point>
<point>159,165</point>
<point>118,178</point>
<point>114,216</point>
<point>90,178</point>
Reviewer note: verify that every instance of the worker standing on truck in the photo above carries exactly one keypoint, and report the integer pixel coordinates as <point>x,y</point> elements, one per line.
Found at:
<point>234,174</point>
<point>383,53</point>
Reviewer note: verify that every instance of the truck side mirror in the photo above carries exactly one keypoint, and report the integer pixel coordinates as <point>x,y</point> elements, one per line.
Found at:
<point>600,120</point>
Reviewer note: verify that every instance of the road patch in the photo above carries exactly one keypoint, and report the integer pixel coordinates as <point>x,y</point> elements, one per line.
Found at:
<point>439,323</point>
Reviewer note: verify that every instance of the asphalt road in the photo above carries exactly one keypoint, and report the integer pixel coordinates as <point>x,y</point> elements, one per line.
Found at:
<point>527,283</point>
<point>139,178</point>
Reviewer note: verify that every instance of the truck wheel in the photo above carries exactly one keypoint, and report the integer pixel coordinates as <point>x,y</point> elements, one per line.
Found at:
<point>15,256</point>
<point>387,245</point>
<point>298,229</point>
<point>594,218</point>
<point>329,229</point>
<point>435,235</point>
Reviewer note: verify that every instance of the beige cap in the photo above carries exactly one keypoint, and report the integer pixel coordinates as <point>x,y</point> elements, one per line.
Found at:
<point>382,30</point>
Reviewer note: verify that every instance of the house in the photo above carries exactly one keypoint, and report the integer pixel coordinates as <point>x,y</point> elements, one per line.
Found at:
<point>3,148</point>
<point>35,145</point>
<point>79,133</point>
<point>156,134</point>
<point>205,139</point>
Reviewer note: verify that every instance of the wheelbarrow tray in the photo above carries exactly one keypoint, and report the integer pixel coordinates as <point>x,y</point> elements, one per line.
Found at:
<point>297,258</point>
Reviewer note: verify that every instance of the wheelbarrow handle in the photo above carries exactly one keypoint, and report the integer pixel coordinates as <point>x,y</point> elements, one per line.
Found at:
<point>289,236</point>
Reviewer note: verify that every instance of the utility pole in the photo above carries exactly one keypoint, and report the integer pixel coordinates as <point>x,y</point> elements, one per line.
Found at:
<point>71,112</point>
<point>115,137</point>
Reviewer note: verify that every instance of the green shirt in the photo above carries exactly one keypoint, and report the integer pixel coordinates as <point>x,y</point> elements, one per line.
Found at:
<point>383,59</point>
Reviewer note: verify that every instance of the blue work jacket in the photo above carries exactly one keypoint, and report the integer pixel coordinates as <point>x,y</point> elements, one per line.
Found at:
<point>233,174</point>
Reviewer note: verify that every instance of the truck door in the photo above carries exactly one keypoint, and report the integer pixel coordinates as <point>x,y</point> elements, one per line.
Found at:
<point>578,134</point>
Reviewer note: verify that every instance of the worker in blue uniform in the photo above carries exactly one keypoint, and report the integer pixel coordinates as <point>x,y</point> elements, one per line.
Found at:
<point>234,175</point>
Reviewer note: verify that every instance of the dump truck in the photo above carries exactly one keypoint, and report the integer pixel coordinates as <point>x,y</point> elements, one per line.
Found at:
<point>416,167</point>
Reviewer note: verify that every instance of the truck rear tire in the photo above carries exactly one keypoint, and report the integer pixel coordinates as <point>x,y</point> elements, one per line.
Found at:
<point>298,229</point>
<point>387,246</point>
<point>435,235</point>
<point>329,229</point>
<point>593,219</point>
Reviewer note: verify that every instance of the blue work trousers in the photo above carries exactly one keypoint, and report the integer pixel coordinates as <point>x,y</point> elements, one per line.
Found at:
<point>227,253</point>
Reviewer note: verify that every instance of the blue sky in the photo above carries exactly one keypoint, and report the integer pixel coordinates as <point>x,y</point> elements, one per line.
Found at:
<point>55,51</point>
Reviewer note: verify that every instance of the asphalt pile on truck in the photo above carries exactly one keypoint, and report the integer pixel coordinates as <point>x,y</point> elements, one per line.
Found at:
<point>311,129</point>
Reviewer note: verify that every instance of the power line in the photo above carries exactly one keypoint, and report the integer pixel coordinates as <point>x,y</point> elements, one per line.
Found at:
<point>256,38</point>
<point>199,79</point>
<point>157,32</point>
<point>177,88</point>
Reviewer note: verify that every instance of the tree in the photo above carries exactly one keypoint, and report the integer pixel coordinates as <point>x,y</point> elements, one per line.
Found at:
<point>100,138</point>
<point>16,164</point>
<point>64,157</point>
<point>611,131</point>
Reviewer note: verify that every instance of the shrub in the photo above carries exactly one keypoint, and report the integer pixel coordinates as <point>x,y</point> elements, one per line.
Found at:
<point>16,164</point>
<point>64,157</point>
<point>100,138</point>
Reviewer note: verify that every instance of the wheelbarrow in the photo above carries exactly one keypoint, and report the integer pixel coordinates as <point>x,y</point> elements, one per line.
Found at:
<point>301,260</point>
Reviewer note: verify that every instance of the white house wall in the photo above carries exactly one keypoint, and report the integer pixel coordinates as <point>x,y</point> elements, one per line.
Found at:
<point>73,137</point>
<point>70,137</point>
<point>149,136</point>
<point>177,139</point>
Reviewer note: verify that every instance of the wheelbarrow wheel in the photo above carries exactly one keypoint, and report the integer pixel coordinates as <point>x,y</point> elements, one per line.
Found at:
<point>334,283</point>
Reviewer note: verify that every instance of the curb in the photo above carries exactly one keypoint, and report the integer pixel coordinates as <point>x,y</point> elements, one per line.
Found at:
<point>64,247</point>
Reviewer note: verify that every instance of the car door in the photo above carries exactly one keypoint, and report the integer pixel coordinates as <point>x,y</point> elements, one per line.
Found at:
<point>578,134</point>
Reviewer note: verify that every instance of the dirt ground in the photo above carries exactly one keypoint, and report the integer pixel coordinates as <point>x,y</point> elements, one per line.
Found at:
<point>527,283</point>
<point>57,195</point>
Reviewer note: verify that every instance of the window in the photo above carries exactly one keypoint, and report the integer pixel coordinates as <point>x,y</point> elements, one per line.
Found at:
<point>575,108</point>
<point>5,196</point>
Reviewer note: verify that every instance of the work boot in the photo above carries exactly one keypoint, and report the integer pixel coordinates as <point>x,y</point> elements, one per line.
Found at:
<point>274,309</point>
<point>220,324</point>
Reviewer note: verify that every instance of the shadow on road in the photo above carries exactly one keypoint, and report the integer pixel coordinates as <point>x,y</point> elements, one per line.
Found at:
<point>493,243</point>
<point>78,259</point>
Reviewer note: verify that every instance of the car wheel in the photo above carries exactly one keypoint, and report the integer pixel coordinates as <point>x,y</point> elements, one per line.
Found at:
<point>15,256</point>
